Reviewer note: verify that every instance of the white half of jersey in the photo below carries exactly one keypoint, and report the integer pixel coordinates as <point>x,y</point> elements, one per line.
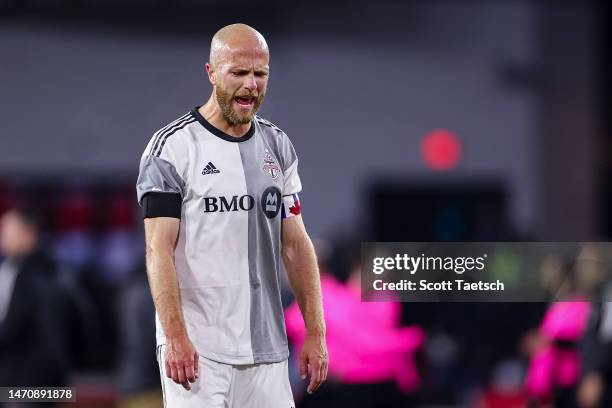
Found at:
<point>228,252</point>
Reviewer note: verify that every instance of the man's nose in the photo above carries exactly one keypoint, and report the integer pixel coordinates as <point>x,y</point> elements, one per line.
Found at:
<point>250,83</point>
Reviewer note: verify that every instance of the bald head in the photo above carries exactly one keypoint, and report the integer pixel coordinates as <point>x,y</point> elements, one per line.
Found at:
<point>236,38</point>
<point>238,71</point>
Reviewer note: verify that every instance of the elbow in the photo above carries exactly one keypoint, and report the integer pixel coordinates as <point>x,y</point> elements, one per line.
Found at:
<point>150,250</point>
<point>150,253</point>
<point>295,249</point>
<point>288,254</point>
<point>154,253</point>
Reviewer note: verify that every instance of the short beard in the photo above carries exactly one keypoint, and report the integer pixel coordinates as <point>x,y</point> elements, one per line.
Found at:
<point>225,100</point>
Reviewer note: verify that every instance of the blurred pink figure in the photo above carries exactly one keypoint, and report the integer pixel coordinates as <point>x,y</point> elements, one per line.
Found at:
<point>551,364</point>
<point>365,341</point>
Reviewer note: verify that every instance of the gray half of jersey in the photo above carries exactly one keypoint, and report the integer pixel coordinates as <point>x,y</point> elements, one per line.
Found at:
<point>264,251</point>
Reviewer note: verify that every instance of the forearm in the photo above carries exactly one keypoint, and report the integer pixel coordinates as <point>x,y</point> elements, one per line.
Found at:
<point>301,265</point>
<point>164,286</point>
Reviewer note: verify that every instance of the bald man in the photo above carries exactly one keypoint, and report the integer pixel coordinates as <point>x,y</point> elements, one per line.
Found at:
<point>219,188</point>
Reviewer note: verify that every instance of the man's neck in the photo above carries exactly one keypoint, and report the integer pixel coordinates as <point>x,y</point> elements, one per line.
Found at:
<point>212,113</point>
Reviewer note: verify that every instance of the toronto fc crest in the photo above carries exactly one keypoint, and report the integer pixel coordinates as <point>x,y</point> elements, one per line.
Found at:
<point>270,166</point>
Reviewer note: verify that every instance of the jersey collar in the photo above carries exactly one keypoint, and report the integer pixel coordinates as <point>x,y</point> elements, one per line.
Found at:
<point>220,133</point>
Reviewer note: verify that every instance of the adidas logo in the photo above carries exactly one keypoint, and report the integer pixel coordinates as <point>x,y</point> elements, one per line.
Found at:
<point>210,169</point>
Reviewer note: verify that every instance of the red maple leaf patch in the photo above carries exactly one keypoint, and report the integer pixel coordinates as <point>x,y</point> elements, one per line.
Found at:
<point>295,208</point>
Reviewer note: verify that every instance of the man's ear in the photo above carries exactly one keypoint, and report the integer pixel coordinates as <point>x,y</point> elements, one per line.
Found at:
<point>211,73</point>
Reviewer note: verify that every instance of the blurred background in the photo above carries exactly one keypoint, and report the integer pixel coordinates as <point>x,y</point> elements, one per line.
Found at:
<point>413,121</point>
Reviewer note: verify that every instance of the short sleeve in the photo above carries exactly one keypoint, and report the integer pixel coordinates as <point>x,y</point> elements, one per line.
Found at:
<point>158,175</point>
<point>160,188</point>
<point>291,179</point>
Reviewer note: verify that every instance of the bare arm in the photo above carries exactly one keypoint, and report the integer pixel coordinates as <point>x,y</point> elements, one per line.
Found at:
<point>301,264</point>
<point>181,359</point>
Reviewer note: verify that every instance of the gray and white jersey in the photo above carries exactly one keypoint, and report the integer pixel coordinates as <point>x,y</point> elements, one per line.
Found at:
<point>234,192</point>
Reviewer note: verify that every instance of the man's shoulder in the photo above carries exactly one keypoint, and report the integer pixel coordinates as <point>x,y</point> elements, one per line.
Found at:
<point>177,124</point>
<point>269,127</point>
<point>166,135</point>
<point>278,140</point>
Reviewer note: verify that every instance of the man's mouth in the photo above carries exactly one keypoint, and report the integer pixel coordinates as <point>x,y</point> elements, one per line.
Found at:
<point>246,101</point>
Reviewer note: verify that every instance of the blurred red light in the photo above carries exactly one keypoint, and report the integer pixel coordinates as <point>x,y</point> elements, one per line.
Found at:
<point>441,149</point>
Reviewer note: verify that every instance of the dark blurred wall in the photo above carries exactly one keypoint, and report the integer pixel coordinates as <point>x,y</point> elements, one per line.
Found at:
<point>570,127</point>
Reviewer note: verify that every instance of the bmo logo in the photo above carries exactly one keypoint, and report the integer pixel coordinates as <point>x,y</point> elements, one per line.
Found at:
<point>271,201</point>
<point>224,204</point>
